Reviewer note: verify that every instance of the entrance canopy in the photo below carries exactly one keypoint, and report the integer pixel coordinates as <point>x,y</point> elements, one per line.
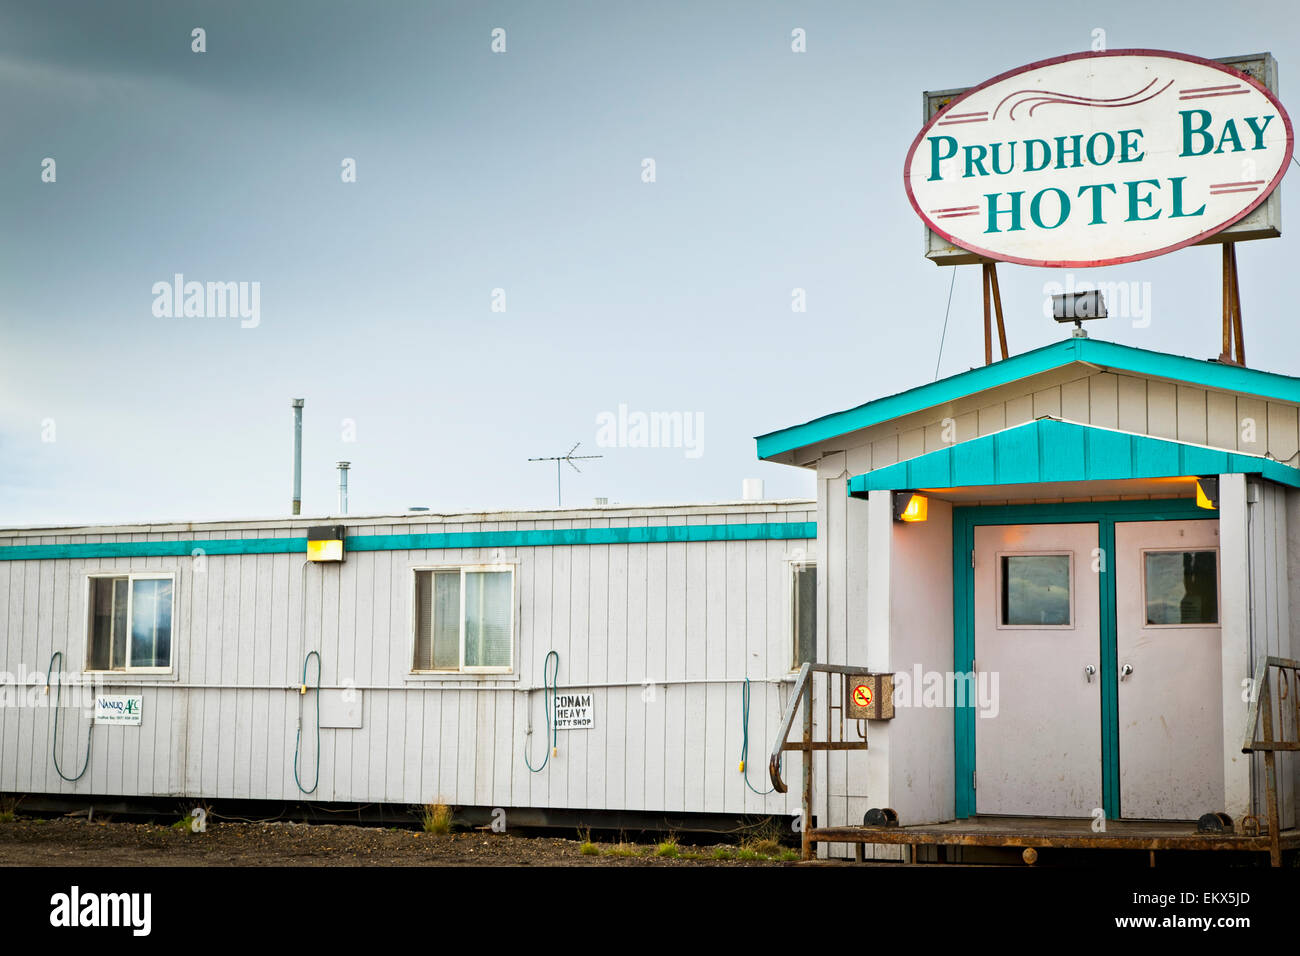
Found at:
<point>1251,392</point>
<point>1050,450</point>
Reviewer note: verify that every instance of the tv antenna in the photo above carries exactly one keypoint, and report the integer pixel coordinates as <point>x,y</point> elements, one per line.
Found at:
<point>570,458</point>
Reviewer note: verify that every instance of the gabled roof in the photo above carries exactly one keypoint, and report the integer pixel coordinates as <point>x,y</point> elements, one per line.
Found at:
<point>1052,450</point>
<point>1107,355</point>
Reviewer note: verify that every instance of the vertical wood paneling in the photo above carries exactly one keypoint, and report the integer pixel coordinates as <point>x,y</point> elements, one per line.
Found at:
<point>1221,429</point>
<point>431,736</point>
<point>1192,414</point>
<point>1076,401</point>
<point>1252,419</point>
<point>676,650</point>
<point>1162,409</point>
<point>1103,400</point>
<point>1047,401</point>
<point>1132,404</point>
<point>650,714</point>
<point>1283,436</point>
<point>911,443</point>
<point>616,671</point>
<point>576,585</point>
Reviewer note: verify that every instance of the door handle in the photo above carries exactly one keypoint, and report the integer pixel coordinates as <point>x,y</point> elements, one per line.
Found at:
<point>1125,671</point>
<point>1088,672</point>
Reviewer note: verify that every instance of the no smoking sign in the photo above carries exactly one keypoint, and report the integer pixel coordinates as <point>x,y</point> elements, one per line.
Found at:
<point>869,696</point>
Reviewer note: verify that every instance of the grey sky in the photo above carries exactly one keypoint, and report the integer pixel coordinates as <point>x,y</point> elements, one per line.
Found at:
<point>519,171</point>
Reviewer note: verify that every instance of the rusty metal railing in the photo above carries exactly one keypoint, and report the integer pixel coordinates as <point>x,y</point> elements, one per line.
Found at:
<point>802,696</point>
<point>1288,704</point>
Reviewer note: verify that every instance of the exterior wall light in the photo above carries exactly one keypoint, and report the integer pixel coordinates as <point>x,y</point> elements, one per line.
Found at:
<point>325,543</point>
<point>909,506</point>
<point>1207,492</point>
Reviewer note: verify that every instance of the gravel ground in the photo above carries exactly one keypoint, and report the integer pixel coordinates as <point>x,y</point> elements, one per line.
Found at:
<point>65,841</point>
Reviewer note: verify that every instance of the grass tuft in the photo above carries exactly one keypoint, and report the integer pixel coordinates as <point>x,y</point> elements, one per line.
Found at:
<point>669,847</point>
<point>436,818</point>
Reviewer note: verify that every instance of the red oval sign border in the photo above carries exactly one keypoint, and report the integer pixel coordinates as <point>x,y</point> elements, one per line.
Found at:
<point>1090,263</point>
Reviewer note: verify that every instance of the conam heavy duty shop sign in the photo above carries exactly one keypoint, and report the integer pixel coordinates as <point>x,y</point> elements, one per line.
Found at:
<point>1098,158</point>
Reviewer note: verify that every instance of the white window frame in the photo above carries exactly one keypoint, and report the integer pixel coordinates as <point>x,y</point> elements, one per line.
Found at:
<point>462,669</point>
<point>998,609</point>
<point>1218,586</point>
<point>797,565</point>
<point>131,578</point>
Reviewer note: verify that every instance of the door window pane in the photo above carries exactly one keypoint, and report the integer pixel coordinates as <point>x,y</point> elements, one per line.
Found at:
<point>1036,590</point>
<point>1182,587</point>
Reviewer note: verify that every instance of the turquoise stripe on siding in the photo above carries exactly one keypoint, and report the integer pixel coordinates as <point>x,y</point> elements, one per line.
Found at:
<point>1051,450</point>
<point>757,531</point>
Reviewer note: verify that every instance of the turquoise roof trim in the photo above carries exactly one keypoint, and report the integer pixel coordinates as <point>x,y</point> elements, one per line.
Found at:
<point>1228,378</point>
<point>536,538</point>
<point>1051,450</point>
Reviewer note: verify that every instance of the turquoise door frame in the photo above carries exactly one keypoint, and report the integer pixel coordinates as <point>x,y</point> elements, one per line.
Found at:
<point>1104,514</point>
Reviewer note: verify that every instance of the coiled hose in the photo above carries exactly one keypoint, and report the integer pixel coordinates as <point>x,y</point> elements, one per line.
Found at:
<point>54,738</point>
<point>298,741</point>
<point>552,732</point>
<point>744,739</point>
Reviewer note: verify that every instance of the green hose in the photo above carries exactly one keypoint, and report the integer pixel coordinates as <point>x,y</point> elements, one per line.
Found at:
<point>298,741</point>
<point>744,738</point>
<point>552,732</point>
<point>54,738</point>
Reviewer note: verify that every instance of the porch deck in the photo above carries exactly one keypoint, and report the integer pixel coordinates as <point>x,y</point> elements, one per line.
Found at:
<point>1032,834</point>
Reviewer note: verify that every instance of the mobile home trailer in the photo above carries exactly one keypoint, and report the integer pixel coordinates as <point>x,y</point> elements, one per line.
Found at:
<point>224,663</point>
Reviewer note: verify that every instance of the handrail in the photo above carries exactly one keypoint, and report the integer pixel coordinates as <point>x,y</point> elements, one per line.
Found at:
<point>787,719</point>
<point>1260,689</point>
<point>792,708</point>
<point>802,696</point>
<point>1262,698</point>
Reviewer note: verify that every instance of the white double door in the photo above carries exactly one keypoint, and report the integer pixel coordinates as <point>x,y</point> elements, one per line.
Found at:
<point>1039,641</point>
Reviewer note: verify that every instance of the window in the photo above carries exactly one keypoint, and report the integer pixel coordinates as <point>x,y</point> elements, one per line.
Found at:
<point>130,626</point>
<point>464,619</point>
<point>803,601</point>
<point>1182,587</point>
<point>1035,590</point>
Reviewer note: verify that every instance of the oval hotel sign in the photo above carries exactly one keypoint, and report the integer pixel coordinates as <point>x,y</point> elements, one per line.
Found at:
<point>1098,158</point>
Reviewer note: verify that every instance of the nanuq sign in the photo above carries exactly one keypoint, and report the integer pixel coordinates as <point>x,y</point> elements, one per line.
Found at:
<point>1098,158</point>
